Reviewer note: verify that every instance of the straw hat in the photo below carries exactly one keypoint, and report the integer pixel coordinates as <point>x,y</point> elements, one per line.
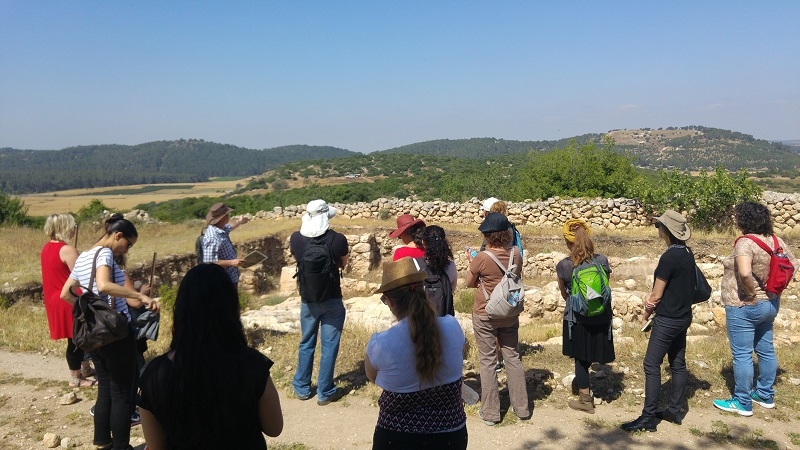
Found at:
<point>400,273</point>
<point>676,224</point>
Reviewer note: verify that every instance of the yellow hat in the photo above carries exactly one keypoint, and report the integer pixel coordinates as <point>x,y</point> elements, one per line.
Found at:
<point>571,225</point>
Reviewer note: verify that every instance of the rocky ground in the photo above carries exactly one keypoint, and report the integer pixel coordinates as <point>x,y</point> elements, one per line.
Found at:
<point>38,410</point>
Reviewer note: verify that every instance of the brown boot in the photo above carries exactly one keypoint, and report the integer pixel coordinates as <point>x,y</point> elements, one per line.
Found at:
<point>584,403</point>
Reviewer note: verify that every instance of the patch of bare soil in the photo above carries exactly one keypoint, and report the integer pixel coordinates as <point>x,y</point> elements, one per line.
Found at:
<point>33,384</point>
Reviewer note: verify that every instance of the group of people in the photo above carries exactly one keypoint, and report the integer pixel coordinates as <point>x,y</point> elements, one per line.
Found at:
<point>418,361</point>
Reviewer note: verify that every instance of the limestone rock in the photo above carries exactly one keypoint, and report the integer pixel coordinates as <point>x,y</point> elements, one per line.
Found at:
<point>51,440</point>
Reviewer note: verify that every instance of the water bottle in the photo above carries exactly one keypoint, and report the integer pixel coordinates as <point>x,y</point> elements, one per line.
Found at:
<point>513,299</point>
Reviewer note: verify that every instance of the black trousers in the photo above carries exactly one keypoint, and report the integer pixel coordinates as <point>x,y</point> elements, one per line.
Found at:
<point>668,337</point>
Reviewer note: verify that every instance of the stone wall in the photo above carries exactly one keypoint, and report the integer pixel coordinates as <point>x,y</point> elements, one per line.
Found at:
<point>610,214</point>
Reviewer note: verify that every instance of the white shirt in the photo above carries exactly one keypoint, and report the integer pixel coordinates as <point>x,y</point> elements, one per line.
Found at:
<point>391,352</point>
<point>82,271</point>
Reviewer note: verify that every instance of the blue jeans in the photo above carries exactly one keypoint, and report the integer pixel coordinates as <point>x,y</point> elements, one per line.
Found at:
<point>327,319</point>
<point>750,329</point>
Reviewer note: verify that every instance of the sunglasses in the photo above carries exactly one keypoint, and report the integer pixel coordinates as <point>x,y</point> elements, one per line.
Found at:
<point>128,241</point>
<point>657,225</point>
<point>384,298</point>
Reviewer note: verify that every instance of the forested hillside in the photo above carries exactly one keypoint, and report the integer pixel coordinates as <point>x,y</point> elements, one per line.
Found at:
<point>487,147</point>
<point>26,171</point>
<point>696,147</point>
<point>685,148</point>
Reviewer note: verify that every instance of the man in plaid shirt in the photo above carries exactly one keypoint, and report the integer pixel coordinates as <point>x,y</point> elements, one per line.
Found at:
<point>217,246</point>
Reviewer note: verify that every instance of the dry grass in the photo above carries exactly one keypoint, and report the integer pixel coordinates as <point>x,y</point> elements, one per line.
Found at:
<point>74,199</point>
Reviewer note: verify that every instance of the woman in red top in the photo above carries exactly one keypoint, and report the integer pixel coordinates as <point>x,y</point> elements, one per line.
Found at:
<point>58,258</point>
<point>410,231</point>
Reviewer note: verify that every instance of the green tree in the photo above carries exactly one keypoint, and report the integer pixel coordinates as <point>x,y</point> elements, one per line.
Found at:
<point>708,198</point>
<point>577,171</point>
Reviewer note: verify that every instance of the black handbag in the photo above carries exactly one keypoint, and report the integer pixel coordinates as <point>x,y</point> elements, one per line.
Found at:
<point>95,322</point>
<point>702,290</point>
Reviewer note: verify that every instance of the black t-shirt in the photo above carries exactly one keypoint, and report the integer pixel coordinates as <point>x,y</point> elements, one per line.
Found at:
<point>564,270</point>
<point>248,371</point>
<point>676,267</point>
<point>339,247</point>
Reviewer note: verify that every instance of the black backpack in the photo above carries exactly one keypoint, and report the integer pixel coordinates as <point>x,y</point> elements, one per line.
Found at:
<point>438,290</point>
<point>198,246</point>
<point>317,270</point>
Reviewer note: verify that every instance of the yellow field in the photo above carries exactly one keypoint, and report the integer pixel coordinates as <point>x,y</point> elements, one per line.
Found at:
<point>72,200</point>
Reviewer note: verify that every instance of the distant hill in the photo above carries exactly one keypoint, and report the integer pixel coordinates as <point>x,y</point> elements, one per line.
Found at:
<point>484,147</point>
<point>685,148</point>
<point>27,171</point>
<point>696,147</point>
<point>690,148</point>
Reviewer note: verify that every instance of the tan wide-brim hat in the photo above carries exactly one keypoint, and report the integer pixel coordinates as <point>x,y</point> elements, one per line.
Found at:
<point>400,273</point>
<point>676,224</point>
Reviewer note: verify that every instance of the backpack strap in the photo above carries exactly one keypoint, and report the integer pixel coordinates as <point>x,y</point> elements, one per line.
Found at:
<point>761,243</point>
<point>500,265</point>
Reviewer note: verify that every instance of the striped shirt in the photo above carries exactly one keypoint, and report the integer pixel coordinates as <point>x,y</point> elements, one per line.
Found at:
<point>83,271</point>
<point>217,246</point>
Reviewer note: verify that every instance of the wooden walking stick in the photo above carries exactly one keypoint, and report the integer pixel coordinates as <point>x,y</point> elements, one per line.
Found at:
<point>153,273</point>
<point>75,242</point>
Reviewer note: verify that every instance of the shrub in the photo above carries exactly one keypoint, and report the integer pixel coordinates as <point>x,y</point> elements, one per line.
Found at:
<point>91,212</point>
<point>13,210</point>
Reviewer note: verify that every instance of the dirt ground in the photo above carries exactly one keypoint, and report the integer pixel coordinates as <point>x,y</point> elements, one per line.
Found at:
<point>32,385</point>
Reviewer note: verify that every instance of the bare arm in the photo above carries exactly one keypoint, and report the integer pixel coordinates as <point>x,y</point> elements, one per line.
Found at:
<point>744,275</point>
<point>66,295</point>
<point>371,371</point>
<point>343,262</point>
<point>269,410</point>
<point>108,287</point>
<point>241,220</point>
<point>154,434</point>
<point>563,289</point>
<point>652,299</point>
<point>68,256</point>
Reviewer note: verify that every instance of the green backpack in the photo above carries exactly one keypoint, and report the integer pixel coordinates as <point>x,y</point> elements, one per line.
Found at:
<point>590,295</point>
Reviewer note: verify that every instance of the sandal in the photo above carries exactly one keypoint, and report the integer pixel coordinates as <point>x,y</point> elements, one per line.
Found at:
<point>87,371</point>
<point>80,381</point>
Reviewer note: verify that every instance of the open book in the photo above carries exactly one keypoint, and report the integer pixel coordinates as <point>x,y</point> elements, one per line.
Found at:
<point>253,258</point>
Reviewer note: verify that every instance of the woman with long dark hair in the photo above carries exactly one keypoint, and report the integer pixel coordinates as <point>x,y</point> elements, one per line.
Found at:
<point>439,258</point>
<point>418,364</point>
<point>586,339</point>
<point>115,363</point>
<point>671,301</point>
<point>750,310</point>
<point>210,390</point>
<point>58,258</point>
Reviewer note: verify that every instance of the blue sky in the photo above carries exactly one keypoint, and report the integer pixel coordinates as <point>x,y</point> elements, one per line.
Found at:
<point>372,75</point>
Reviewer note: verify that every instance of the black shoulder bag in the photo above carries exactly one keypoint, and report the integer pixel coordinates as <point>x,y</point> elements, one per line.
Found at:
<point>95,322</point>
